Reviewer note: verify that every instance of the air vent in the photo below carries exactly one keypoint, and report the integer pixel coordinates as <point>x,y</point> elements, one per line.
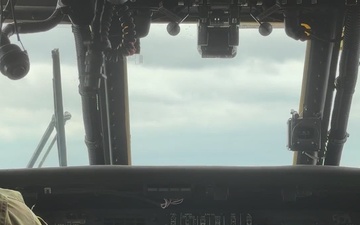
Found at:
<point>124,221</point>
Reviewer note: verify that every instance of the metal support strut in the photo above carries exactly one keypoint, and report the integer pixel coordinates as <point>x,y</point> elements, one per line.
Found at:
<point>59,109</point>
<point>57,121</point>
<point>345,86</point>
<point>101,53</point>
<point>43,141</point>
<point>117,102</point>
<point>306,133</point>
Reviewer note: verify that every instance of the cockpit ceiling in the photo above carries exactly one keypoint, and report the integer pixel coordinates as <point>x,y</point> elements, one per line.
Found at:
<point>30,10</point>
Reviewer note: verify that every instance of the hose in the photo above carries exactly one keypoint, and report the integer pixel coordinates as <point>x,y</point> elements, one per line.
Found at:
<point>74,7</point>
<point>345,86</point>
<point>106,19</point>
<point>91,114</point>
<point>37,26</point>
<point>95,25</point>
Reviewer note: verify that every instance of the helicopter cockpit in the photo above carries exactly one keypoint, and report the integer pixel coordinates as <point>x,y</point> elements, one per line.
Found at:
<point>315,190</point>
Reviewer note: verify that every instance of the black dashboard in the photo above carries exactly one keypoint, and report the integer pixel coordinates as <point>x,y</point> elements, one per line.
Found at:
<point>124,195</point>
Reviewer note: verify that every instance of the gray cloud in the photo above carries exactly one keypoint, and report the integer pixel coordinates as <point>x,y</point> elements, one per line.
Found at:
<point>208,97</point>
<point>245,145</point>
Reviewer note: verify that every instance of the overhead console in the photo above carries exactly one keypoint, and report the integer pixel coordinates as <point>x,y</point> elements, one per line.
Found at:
<point>120,195</point>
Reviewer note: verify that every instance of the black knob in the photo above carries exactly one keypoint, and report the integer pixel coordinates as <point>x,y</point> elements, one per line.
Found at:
<point>265,29</point>
<point>173,28</point>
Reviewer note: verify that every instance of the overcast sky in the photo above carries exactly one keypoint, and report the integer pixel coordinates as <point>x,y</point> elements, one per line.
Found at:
<point>184,110</point>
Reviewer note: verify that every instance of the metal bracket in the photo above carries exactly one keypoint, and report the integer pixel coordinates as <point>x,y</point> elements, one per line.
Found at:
<point>304,133</point>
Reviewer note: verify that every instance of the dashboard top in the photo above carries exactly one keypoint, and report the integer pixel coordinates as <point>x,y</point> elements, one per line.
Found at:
<point>99,176</point>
